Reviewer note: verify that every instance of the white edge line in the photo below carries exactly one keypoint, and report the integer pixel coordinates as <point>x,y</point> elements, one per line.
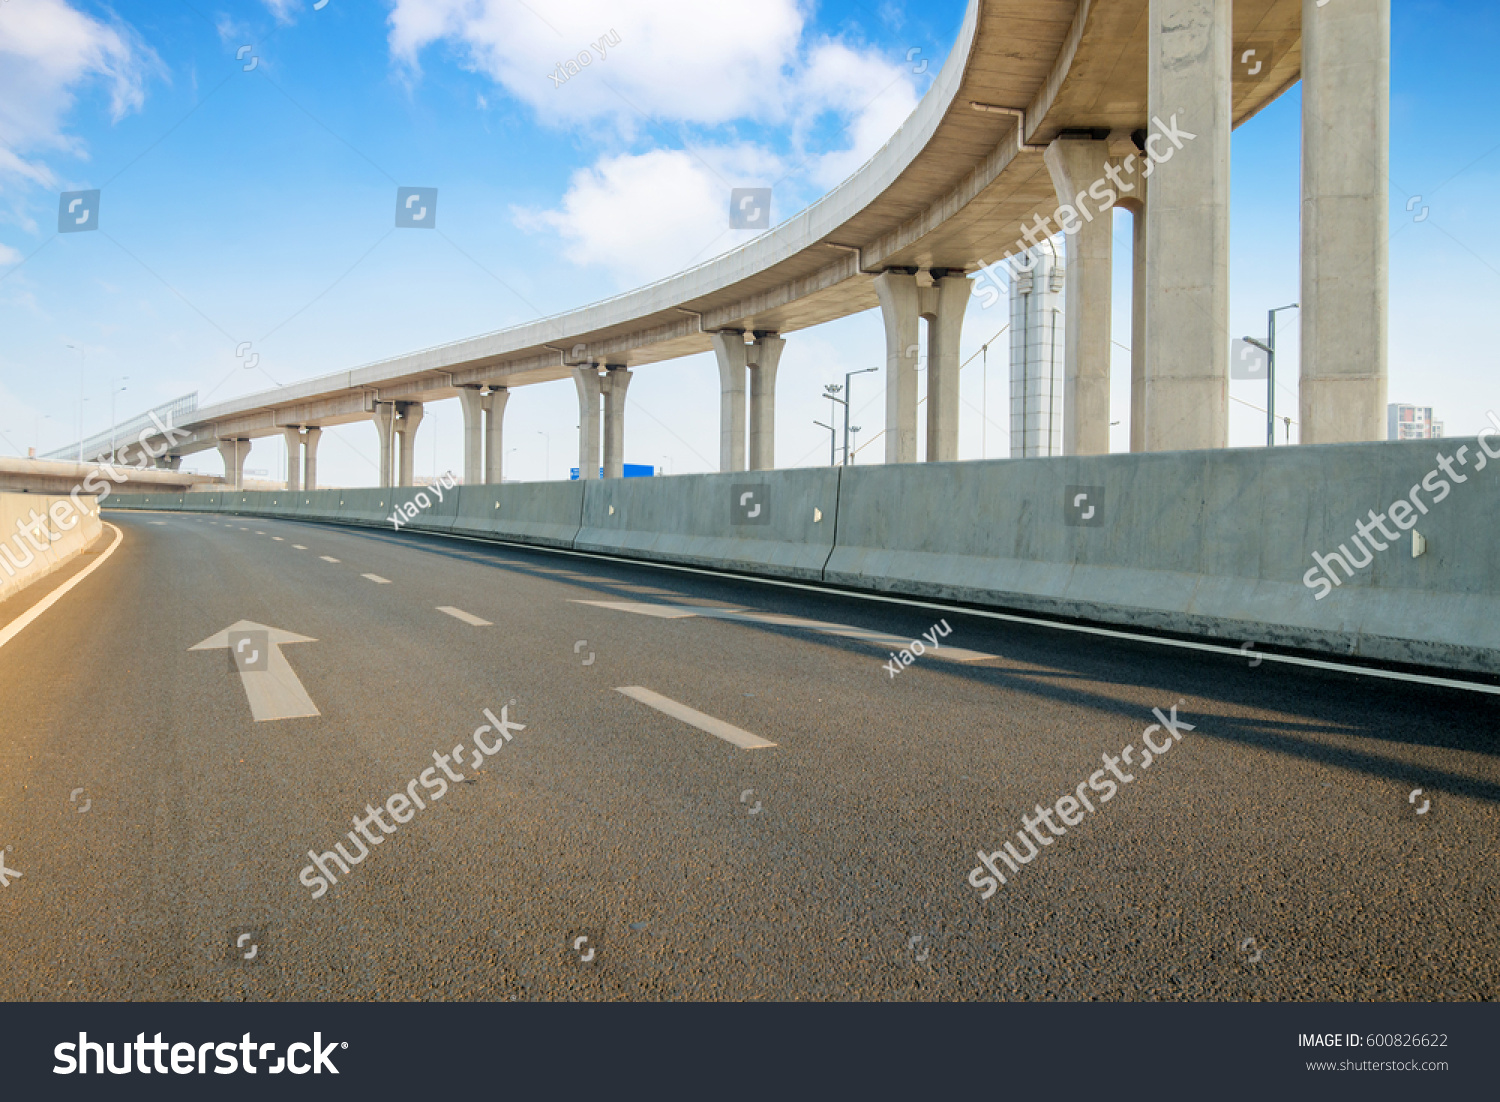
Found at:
<point>1008,617</point>
<point>1109,633</point>
<point>16,626</point>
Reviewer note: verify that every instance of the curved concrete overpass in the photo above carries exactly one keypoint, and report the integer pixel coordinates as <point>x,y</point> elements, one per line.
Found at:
<point>953,189</point>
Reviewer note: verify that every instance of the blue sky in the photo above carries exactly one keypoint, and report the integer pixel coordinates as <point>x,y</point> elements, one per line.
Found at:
<point>257,206</point>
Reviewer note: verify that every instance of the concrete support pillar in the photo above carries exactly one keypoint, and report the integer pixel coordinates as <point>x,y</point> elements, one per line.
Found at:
<point>406,429</point>
<point>729,348</point>
<point>473,404</point>
<point>586,379</point>
<point>1346,92</point>
<point>763,357</point>
<point>613,385</point>
<point>310,457</point>
<point>170,462</point>
<point>1138,332</point>
<point>234,453</point>
<point>1187,227</point>
<point>494,433</point>
<point>1132,189</point>
<point>897,292</point>
<point>1075,165</point>
<point>293,435</point>
<point>385,425</point>
<point>943,306</point>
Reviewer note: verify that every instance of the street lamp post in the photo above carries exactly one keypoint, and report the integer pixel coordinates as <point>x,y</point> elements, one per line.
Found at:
<point>112,422</point>
<point>82,369</point>
<point>1268,346</point>
<point>831,391</point>
<point>833,438</point>
<point>548,467</point>
<point>847,393</point>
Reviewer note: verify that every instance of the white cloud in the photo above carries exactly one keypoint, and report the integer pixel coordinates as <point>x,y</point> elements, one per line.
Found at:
<point>876,96</point>
<point>676,59</point>
<point>8,256</point>
<point>283,9</point>
<point>733,62</point>
<point>645,216</point>
<point>48,51</point>
<point>231,31</point>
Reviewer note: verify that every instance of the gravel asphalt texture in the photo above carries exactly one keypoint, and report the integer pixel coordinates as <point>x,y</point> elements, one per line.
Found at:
<point>1275,853</point>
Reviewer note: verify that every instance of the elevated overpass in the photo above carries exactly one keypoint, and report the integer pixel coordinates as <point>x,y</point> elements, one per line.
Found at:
<point>49,476</point>
<point>1042,109</point>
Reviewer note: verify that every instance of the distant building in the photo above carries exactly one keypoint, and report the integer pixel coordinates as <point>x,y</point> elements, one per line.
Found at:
<point>1404,422</point>
<point>1038,334</point>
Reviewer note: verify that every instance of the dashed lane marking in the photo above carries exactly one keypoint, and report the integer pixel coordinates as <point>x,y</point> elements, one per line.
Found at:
<point>716,727</point>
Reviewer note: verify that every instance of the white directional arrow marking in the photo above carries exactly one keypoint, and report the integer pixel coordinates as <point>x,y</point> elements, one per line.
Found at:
<point>275,692</point>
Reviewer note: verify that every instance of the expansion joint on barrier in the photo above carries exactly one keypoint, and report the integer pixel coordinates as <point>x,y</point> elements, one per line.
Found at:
<point>1017,113</point>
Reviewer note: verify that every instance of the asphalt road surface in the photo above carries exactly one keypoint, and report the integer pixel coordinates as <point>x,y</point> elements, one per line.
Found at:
<point>1275,851</point>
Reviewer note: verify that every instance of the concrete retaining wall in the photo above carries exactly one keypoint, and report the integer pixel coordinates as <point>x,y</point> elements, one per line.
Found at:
<point>20,562</point>
<point>784,526</point>
<point>546,513</point>
<point>1211,544</point>
<point>1205,543</point>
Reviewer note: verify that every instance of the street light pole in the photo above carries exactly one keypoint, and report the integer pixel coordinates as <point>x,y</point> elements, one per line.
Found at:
<point>548,467</point>
<point>831,390</point>
<point>1268,346</point>
<point>112,422</point>
<point>833,437</point>
<point>82,369</point>
<point>847,392</point>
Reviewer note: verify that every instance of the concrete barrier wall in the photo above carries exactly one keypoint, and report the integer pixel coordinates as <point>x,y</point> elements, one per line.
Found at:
<point>783,527</point>
<point>207,502</point>
<point>1214,544</point>
<point>20,561</point>
<point>1205,543</point>
<point>427,508</point>
<point>545,513</point>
